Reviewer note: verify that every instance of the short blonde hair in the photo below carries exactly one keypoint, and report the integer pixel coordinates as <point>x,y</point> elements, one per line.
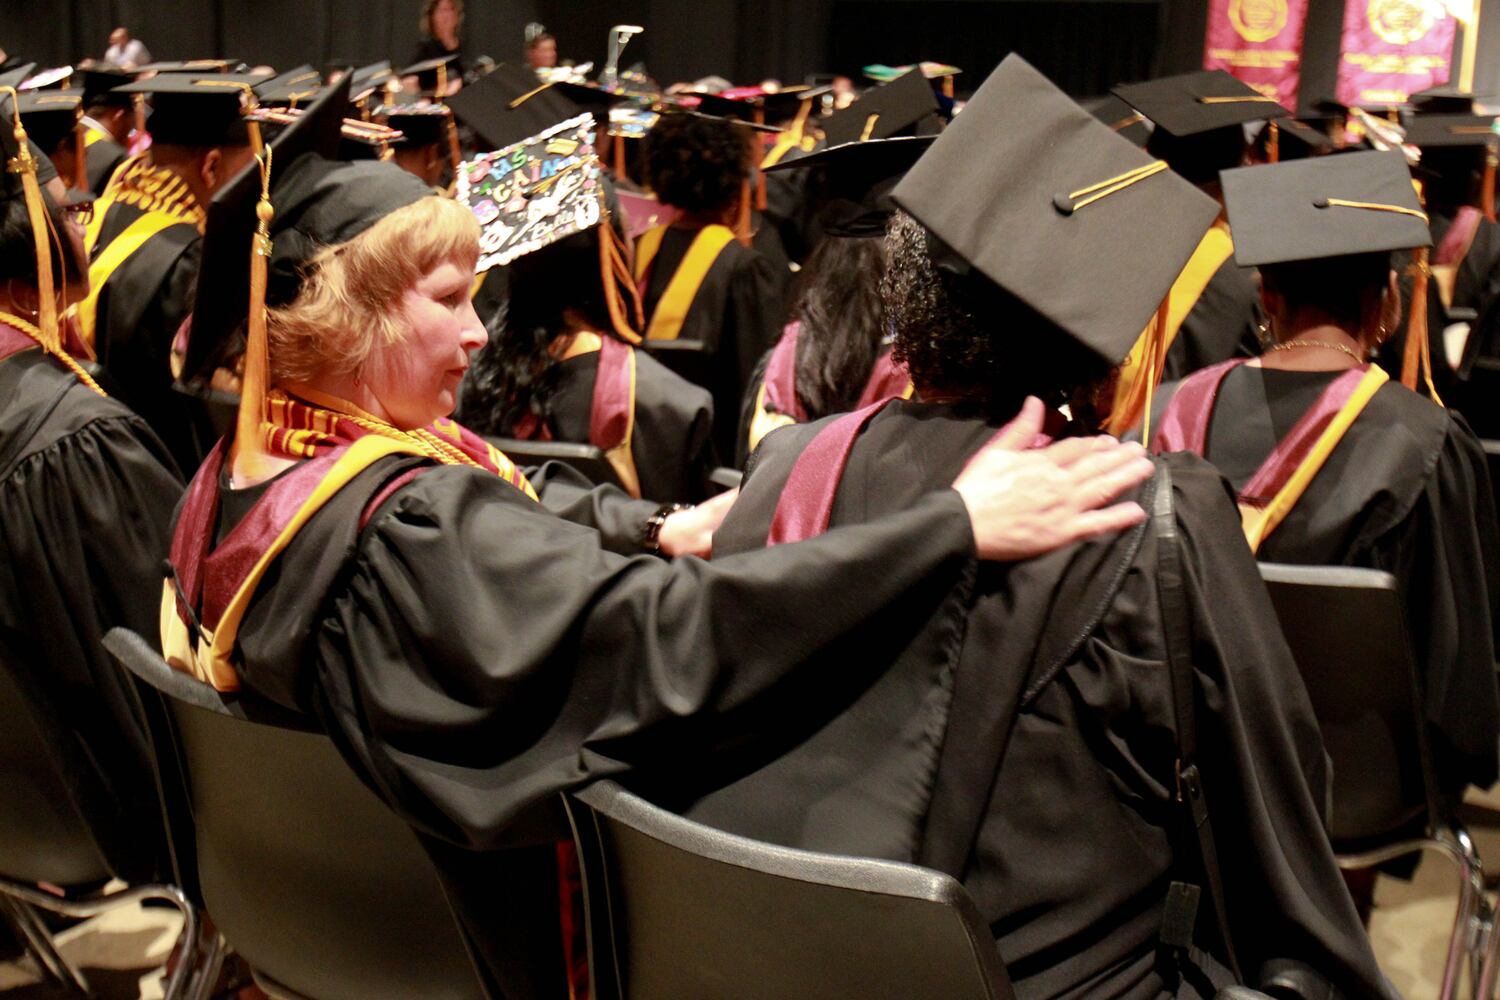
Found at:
<point>352,293</point>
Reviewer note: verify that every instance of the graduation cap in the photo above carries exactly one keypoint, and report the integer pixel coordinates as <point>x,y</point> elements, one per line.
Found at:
<point>1460,130</point>
<point>366,79</point>
<point>541,191</point>
<point>419,124</point>
<point>98,88</point>
<point>54,77</point>
<point>432,74</point>
<point>735,111</point>
<point>12,77</point>
<point>1028,192</point>
<point>1331,206</point>
<point>24,180</point>
<point>51,116</point>
<point>362,140</point>
<point>486,106</point>
<point>188,66</point>
<point>851,184</point>
<point>1120,117</point>
<point>583,96</point>
<point>1198,118</point>
<point>293,87</point>
<point>1442,101</point>
<point>1296,139</point>
<point>197,110</point>
<point>896,108</point>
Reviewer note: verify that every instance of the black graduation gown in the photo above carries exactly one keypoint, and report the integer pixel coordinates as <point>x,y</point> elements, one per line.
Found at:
<point>672,442</point>
<point>86,498</point>
<point>736,313</point>
<point>1055,813</point>
<point>1222,324</point>
<point>473,654</point>
<point>101,160</point>
<point>1405,491</point>
<point>140,308</point>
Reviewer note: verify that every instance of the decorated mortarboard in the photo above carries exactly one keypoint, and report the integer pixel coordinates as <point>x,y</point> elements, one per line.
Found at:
<point>1442,101</point>
<point>99,84</point>
<point>419,124</point>
<point>850,186</point>
<point>1194,103</point>
<point>1331,206</point>
<point>12,77</point>
<point>631,123</point>
<point>190,109</point>
<point>536,192</point>
<point>1030,193</point>
<point>362,140</point>
<point>486,106</point>
<point>895,108</point>
<point>736,111</point>
<point>51,116</point>
<point>294,87</point>
<point>1120,117</point>
<point>1435,131</point>
<point>882,73</point>
<point>368,78</point>
<point>57,76</point>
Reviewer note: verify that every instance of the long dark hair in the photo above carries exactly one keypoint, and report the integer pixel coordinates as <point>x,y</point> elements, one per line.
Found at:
<point>18,245</point>
<point>843,323</point>
<point>514,376</point>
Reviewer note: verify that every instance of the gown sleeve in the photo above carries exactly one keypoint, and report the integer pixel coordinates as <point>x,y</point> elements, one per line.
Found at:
<point>609,510</point>
<point>84,527</point>
<point>1448,553</point>
<point>1262,761</point>
<point>485,656</point>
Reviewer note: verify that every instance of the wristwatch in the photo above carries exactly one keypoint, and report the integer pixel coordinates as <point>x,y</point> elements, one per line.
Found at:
<point>652,540</point>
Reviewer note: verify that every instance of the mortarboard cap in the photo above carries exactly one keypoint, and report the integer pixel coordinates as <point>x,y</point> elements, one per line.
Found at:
<point>1435,131</point>
<point>850,185</point>
<point>1029,192</point>
<point>1330,206</point>
<point>98,85</point>
<point>536,192</point>
<point>189,109</point>
<point>368,78</point>
<point>419,124</point>
<point>429,65</point>
<point>1193,103</point>
<point>188,66</point>
<point>223,296</point>
<point>296,86</point>
<point>12,77</point>
<point>1297,139</point>
<point>895,108</point>
<point>1442,101</point>
<point>362,140</point>
<point>57,76</point>
<point>50,116</point>
<point>486,106</point>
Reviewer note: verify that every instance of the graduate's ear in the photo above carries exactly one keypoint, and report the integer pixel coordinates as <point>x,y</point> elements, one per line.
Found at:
<point>1271,299</point>
<point>210,167</point>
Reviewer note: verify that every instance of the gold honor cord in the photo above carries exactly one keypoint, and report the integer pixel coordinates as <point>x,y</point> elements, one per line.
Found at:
<point>529,95</point>
<point>1256,99</point>
<point>24,163</point>
<point>1127,121</point>
<point>1070,203</point>
<point>869,128</point>
<point>10,319</point>
<point>1370,206</point>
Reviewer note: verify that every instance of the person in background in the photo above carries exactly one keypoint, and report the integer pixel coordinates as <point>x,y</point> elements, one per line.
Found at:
<point>108,119</point>
<point>540,50</point>
<point>440,24</point>
<point>126,52</point>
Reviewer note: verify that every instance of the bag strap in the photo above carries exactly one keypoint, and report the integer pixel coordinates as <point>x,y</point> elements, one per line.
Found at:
<point>1180,912</point>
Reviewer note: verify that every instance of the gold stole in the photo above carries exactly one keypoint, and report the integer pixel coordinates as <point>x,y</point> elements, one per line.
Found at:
<point>672,308</point>
<point>619,457</point>
<point>120,249</point>
<point>1259,522</point>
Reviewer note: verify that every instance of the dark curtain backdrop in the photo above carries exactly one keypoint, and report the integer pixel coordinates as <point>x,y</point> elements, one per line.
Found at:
<point>1084,46</point>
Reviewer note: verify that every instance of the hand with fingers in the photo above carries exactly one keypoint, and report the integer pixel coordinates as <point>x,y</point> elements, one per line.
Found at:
<point>1025,500</point>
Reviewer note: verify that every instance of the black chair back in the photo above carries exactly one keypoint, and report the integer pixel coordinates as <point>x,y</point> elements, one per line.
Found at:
<point>42,836</point>
<point>1346,631</point>
<point>689,358</point>
<point>676,909</point>
<point>322,889</point>
<point>586,458</point>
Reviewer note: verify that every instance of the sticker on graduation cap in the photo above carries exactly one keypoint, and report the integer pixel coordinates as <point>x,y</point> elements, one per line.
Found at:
<point>534,193</point>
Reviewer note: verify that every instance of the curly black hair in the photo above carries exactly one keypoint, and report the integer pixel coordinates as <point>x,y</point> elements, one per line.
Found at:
<point>514,376</point>
<point>18,246</point>
<point>963,334</point>
<point>843,323</point>
<point>1347,289</point>
<point>696,164</point>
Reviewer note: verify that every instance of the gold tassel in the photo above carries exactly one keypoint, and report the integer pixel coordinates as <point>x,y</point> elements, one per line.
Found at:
<point>1416,327</point>
<point>1136,407</point>
<point>139,105</point>
<point>36,209</point>
<point>1487,193</point>
<point>615,273</point>
<point>454,155</point>
<point>1273,143</point>
<point>250,453</point>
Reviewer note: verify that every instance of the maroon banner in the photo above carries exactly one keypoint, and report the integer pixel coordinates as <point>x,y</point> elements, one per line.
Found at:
<point>1259,42</point>
<point>1392,49</point>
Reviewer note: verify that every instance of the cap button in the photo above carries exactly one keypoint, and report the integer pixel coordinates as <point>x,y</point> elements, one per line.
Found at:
<point>1063,203</point>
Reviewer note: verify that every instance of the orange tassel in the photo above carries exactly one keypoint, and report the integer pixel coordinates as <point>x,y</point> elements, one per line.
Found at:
<point>1273,143</point>
<point>1136,407</point>
<point>1416,327</point>
<point>251,459</point>
<point>615,272</point>
<point>1487,193</point>
<point>25,165</point>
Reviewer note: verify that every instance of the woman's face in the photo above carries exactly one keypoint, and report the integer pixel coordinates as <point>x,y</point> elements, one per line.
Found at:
<point>543,54</point>
<point>416,381</point>
<point>444,18</point>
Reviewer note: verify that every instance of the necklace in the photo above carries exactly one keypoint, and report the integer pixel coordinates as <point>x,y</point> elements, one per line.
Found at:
<point>10,319</point>
<point>1294,344</point>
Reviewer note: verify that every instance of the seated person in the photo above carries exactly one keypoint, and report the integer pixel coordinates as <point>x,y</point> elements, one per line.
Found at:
<point>835,355</point>
<point>563,363</point>
<point>698,282</point>
<point>475,639</point>
<point>86,498</point>
<point>1025,742</point>
<point>1396,482</point>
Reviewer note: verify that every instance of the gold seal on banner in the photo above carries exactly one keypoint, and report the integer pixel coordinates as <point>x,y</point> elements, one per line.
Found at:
<point>1401,22</point>
<point>1258,20</point>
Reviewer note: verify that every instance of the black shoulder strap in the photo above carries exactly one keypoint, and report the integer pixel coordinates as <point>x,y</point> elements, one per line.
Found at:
<point>1179,915</point>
